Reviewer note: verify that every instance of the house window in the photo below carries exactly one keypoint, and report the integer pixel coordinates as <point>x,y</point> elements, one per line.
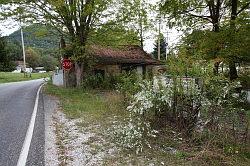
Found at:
<point>128,68</point>
<point>99,72</point>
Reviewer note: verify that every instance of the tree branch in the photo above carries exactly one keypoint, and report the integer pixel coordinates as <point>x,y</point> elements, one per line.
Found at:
<point>208,18</point>
<point>243,8</point>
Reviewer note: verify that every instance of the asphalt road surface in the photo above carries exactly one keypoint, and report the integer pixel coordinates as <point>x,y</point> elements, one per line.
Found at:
<point>16,106</point>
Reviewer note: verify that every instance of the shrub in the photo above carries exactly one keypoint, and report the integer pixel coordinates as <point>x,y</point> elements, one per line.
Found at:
<point>125,83</point>
<point>128,84</point>
<point>184,105</point>
<point>99,82</point>
<point>245,81</point>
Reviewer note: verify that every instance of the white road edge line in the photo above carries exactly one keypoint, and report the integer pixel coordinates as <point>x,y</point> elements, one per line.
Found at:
<point>26,145</point>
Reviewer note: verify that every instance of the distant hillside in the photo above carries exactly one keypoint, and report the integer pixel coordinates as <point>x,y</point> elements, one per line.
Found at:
<point>38,36</point>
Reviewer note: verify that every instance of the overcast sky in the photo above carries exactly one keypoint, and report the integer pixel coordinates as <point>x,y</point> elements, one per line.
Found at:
<point>9,26</point>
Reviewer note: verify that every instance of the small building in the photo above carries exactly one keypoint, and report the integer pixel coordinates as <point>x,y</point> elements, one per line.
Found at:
<point>110,61</point>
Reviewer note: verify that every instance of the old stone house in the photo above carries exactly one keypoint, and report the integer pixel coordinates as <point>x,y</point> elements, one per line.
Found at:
<point>110,61</point>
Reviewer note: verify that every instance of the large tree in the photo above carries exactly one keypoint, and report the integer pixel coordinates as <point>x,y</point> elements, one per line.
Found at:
<point>49,62</point>
<point>33,58</point>
<point>134,14</point>
<point>6,63</point>
<point>193,13</point>
<point>73,18</point>
<point>14,50</point>
<point>113,36</point>
<point>201,14</point>
<point>236,33</point>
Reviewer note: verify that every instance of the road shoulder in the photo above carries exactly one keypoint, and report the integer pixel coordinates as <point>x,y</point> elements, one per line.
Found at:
<point>50,106</point>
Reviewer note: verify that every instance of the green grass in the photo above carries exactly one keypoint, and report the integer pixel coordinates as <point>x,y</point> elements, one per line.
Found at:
<point>15,77</point>
<point>77,103</point>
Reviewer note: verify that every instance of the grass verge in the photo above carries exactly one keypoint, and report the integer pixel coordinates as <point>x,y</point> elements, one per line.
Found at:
<point>15,77</point>
<point>77,103</point>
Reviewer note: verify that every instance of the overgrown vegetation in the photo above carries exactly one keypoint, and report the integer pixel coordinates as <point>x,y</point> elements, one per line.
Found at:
<point>100,111</point>
<point>178,120</point>
<point>184,113</point>
<point>200,107</point>
<point>125,83</point>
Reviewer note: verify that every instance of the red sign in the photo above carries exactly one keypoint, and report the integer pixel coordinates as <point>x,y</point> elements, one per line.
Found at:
<point>67,64</point>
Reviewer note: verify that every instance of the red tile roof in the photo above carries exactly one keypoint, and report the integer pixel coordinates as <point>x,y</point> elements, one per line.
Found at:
<point>125,55</point>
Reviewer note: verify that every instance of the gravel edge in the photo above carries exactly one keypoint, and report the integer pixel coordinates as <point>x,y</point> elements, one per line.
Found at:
<point>51,155</point>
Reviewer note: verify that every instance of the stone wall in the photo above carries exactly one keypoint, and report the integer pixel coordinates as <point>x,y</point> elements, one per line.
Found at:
<point>109,69</point>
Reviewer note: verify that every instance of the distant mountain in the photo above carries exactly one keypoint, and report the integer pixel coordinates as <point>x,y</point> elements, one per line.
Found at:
<point>38,36</point>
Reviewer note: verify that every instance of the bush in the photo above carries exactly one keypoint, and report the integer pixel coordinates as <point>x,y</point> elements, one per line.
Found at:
<point>125,83</point>
<point>245,81</point>
<point>92,82</point>
<point>128,84</point>
<point>215,107</point>
<point>7,66</point>
<point>175,101</point>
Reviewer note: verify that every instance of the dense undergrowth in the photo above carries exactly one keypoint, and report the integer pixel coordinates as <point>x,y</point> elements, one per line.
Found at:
<point>192,120</point>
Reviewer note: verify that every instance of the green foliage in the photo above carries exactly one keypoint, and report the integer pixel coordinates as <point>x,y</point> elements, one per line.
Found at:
<point>212,105</point>
<point>125,83</point>
<point>38,36</point>
<point>185,65</point>
<point>33,58</point>
<point>225,45</point>
<point>235,42</point>
<point>181,155</point>
<point>6,63</point>
<point>14,50</point>
<point>98,82</point>
<point>163,46</point>
<point>41,42</point>
<point>245,81</point>
<point>77,17</point>
<point>128,84</point>
<point>49,62</point>
<point>180,12</point>
<point>134,14</point>
<point>113,35</point>
<point>227,37</point>
<point>193,14</point>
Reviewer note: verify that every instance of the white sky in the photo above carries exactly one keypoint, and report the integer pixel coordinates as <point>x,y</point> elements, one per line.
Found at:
<point>9,26</point>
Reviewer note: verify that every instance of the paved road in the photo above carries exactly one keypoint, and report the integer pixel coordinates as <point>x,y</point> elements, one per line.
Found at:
<point>16,107</point>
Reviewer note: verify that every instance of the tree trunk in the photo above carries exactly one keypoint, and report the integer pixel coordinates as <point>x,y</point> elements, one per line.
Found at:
<point>69,78</point>
<point>216,68</point>
<point>141,40</point>
<point>79,73</point>
<point>141,34</point>
<point>232,71</point>
<point>215,16</point>
<point>232,68</point>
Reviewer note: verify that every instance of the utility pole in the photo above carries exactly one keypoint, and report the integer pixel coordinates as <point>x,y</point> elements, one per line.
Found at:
<point>159,39</point>
<point>24,57</point>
